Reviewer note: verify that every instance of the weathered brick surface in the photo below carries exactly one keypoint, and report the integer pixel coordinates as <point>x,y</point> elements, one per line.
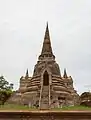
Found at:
<point>46,76</point>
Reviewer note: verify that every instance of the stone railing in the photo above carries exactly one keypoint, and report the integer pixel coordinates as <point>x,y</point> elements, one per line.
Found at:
<point>45,115</point>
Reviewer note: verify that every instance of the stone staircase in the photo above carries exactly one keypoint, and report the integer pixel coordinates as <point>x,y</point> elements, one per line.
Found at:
<point>44,102</point>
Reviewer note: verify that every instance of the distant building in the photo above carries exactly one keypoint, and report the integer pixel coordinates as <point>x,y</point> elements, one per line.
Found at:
<point>46,88</point>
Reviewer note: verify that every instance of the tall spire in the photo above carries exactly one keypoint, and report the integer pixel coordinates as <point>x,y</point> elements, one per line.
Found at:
<point>47,49</point>
<point>27,75</point>
<point>65,74</point>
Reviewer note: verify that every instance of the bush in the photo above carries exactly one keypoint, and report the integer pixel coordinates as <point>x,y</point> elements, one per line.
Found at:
<point>5,90</point>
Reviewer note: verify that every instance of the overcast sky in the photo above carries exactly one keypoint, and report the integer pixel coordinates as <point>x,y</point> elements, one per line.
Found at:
<point>22,27</point>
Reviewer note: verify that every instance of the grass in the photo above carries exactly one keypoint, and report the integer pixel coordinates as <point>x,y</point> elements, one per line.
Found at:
<point>26,108</point>
<point>74,108</point>
<point>15,107</point>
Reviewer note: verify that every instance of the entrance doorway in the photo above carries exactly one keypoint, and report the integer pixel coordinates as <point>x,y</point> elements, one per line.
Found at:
<point>45,79</point>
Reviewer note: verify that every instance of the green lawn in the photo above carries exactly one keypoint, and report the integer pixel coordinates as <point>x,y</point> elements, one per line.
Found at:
<point>15,107</point>
<point>21,107</point>
<point>74,108</point>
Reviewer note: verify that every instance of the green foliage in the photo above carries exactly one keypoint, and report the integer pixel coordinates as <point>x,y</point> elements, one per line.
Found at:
<point>4,85</point>
<point>5,90</point>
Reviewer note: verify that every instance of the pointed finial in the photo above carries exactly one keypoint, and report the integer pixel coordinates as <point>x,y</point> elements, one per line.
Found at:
<point>47,26</point>
<point>47,36</point>
<point>46,49</point>
<point>65,73</point>
<point>27,75</point>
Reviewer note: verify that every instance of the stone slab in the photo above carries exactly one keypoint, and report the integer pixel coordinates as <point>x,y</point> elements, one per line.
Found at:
<point>45,115</point>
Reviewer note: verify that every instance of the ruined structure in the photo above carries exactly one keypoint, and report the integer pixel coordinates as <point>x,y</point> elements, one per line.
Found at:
<point>46,88</point>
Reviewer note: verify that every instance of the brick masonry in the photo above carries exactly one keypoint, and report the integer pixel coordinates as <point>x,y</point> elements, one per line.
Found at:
<point>47,88</point>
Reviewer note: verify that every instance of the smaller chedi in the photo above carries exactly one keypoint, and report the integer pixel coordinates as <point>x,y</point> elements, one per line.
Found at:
<point>46,89</point>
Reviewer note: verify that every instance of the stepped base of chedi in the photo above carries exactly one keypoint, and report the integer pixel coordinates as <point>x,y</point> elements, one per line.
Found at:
<point>46,88</point>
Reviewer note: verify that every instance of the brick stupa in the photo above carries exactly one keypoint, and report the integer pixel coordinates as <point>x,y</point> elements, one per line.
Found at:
<point>46,88</point>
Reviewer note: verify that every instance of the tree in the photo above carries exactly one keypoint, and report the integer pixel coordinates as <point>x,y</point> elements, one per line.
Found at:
<point>5,90</point>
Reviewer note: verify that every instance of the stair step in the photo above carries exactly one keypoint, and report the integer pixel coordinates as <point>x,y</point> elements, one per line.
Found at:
<point>45,97</point>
